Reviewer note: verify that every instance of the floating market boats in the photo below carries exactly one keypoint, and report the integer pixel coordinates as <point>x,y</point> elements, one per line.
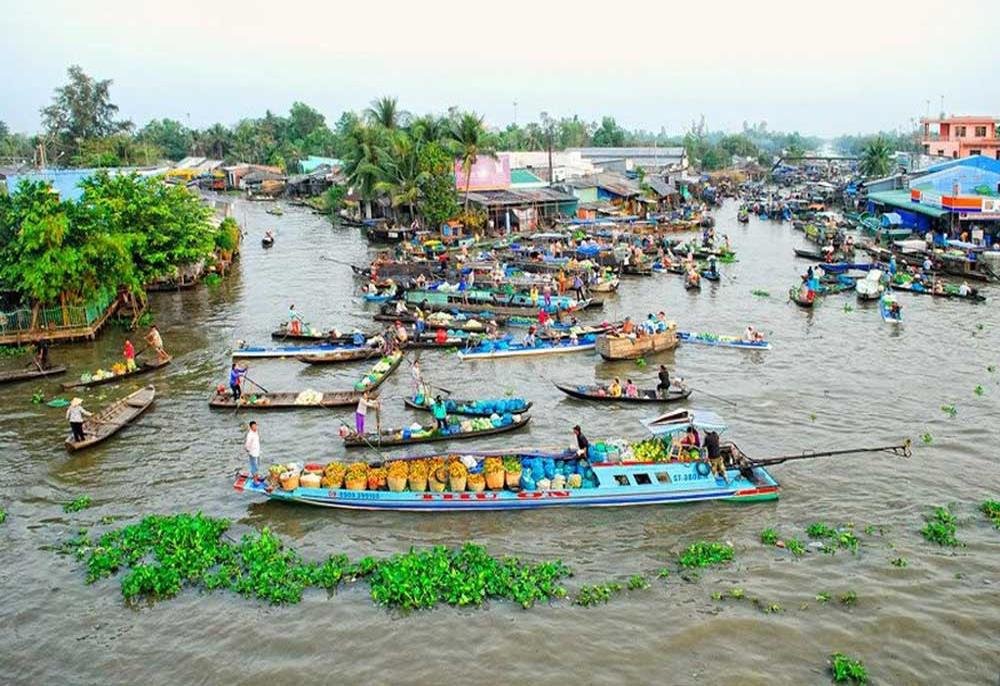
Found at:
<point>281,400</point>
<point>870,287</point>
<point>102,377</point>
<point>721,341</point>
<point>484,407</point>
<point>950,291</point>
<point>600,394</point>
<point>355,352</point>
<point>611,476</point>
<point>618,346</point>
<point>331,336</point>
<point>26,374</point>
<point>380,372</point>
<point>802,297</point>
<point>495,349</point>
<point>890,310</point>
<point>350,354</point>
<point>455,431</point>
<point>112,419</point>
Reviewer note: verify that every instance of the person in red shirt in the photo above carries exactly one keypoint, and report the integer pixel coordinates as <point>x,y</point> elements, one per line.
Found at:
<point>129,353</point>
<point>441,337</point>
<point>543,319</point>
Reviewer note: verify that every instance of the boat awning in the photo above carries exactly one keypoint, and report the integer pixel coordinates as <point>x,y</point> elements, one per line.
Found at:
<point>680,420</point>
<point>901,199</point>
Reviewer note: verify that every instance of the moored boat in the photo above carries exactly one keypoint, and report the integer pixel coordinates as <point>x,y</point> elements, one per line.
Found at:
<point>600,394</point>
<point>484,407</point>
<point>497,349</point>
<point>951,291</point>
<point>350,354</point>
<point>112,419</point>
<point>617,346</point>
<point>281,400</point>
<point>722,341</point>
<point>359,352</point>
<point>456,431</point>
<point>87,381</point>
<point>27,374</point>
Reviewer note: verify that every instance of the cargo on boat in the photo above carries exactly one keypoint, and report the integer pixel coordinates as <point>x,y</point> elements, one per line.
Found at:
<point>102,377</point>
<point>278,400</point>
<point>619,346</point>
<point>484,407</point>
<point>496,349</point>
<point>113,418</point>
<point>27,374</point>
<point>454,431</point>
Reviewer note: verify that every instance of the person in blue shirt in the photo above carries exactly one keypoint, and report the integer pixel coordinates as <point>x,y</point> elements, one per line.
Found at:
<point>236,375</point>
<point>440,412</point>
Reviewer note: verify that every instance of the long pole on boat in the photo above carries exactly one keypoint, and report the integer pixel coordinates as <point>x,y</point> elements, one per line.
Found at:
<point>902,450</point>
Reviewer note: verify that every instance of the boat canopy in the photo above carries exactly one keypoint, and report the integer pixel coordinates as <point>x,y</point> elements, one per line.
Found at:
<point>891,219</point>
<point>679,420</point>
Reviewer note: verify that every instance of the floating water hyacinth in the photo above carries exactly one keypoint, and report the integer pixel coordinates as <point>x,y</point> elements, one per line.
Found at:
<point>760,293</point>
<point>978,390</point>
<point>640,362</point>
<point>848,308</point>
<point>949,410</point>
<point>927,438</point>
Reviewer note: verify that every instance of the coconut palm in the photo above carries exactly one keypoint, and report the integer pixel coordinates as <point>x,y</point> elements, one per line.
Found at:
<point>385,112</point>
<point>362,162</point>
<point>470,141</point>
<point>429,129</point>
<point>876,158</point>
<point>401,173</point>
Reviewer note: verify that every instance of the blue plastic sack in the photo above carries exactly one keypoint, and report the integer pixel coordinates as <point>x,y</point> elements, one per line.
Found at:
<point>549,467</point>
<point>407,433</point>
<point>527,483</point>
<point>419,399</point>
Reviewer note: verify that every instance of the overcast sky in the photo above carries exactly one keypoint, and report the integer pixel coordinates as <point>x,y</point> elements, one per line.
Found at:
<point>819,68</point>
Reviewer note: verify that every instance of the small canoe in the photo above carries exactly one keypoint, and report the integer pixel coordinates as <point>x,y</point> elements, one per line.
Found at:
<point>645,395</point>
<point>283,334</point>
<point>337,356</point>
<point>623,347</point>
<point>692,285</point>
<point>283,351</point>
<point>885,309</point>
<point>605,286</point>
<point>373,379</point>
<point>809,254</point>
<point>27,374</point>
<point>488,351</point>
<point>141,368</point>
<point>113,418</point>
<point>394,437</point>
<point>266,242</point>
<point>466,408</point>
<point>280,400</point>
<point>955,295</point>
<point>377,297</point>
<point>711,276</point>
<point>797,297</point>
<point>842,267</point>
<point>722,341</point>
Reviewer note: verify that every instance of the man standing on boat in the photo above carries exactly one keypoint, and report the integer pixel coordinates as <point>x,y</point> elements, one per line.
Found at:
<point>359,415</point>
<point>128,351</point>
<point>582,444</point>
<point>236,375</point>
<point>715,455</point>
<point>42,354</point>
<point>663,388</point>
<point>156,343</point>
<point>76,414</point>
<point>252,447</point>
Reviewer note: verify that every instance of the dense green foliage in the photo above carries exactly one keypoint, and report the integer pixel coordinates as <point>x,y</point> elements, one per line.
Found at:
<point>81,111</point>
<point>125,231</point>
<point>769,536</point>
<point>3,515</point>
<point>706,554</point>
<point>876,158</point>
<point>991,508</point>
<point>78,504</point>
<point>163,554</point>
<point>847,670</point>
<point>898,141</point>
<point>941,527</point>
<point>596,593</point>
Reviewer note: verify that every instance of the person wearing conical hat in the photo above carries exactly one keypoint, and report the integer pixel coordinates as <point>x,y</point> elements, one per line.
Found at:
<point>76,414</point>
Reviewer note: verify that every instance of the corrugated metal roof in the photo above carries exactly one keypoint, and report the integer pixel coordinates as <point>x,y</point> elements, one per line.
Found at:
<point>520,196</point>
<point>901,199</point>
<point>523,176</point>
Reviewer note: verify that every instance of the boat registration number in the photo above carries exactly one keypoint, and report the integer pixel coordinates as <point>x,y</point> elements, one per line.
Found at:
<point>521,495</point>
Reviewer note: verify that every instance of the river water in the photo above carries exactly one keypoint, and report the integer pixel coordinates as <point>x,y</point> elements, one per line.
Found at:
<point>835,378</point>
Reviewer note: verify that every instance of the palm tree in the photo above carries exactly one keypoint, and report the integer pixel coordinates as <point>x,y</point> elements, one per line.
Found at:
<point>401,173</point>
<point>876,158</point>
<point>470,141</point>
<point>385,112</point>
<point>362,163</point>
<point>429,129</point>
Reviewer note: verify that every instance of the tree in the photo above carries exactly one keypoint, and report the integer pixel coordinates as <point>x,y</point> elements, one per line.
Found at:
<point>303,120</point>
<point>438,201</point>
<point>429,129</point>
<point>401,173</point>
<point>362,162</point>
<point>876,159</point>
<point>81,110</point>
<point>608,134</point>
<point>385,112</point>
<point>470,141</point>
<point>172,137</point>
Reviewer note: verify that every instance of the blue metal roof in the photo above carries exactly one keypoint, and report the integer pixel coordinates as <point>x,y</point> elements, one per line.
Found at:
<point>975,161</point>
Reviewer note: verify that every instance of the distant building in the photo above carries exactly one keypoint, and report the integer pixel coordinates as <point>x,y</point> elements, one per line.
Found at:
<point>958,137</point>
<point>566,164</point>
<point>653,160</point>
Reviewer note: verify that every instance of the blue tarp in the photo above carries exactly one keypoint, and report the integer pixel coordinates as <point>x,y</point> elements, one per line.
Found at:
<point>64,181</point>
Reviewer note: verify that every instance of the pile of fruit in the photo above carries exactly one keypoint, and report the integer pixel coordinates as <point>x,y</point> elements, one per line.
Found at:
<point>651,450</point>
<point>381,368</point>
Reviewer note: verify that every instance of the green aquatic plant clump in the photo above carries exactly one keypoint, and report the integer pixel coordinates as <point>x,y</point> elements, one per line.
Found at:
<point>769,536</point>
<point>844,537</point>
<point>941,527</point>
<point>990,508</point>
<point>81,503</point>
<point>3,515</point>
<point>706,554</point>
<point>637,583</point>
<point>847,670</point>
<point>467,576</point>
<point>596,593</point>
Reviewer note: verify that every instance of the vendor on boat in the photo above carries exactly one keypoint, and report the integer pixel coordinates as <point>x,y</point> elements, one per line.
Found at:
<point>41,357</point>
<point>441,336</point>
<point>400,332</point>
<point>156,343</point>
<point>631,390</point>
<point>128,352</point>
<point>76,414</point>
<point>364,403</point>
<point>236,375</point>
<point>582,444</point>
<point>753,335</point>
<point>529,340</point>
<point>627,326</point>
<point>251,445</point>
<point>295,320</point>
<point>417,377</point>
<point>715,455</point>
<point>543,319</point>
<point>964,290</point>
<point>440,412</point>
<point>615,389</point>
<point>663,388</point>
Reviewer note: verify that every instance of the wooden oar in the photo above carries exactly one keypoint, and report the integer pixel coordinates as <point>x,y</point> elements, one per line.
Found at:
<point>255,383</point>
<point>725,400</point>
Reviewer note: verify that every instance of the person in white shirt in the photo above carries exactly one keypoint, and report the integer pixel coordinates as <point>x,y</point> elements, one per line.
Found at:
<point>252,447</point>
<point>76,415</point>
<point>359,415</point>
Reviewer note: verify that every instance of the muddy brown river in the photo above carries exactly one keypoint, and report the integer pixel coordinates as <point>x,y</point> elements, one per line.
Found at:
<point>836,377</point>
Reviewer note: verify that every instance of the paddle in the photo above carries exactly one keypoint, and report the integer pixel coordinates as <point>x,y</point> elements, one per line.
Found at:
<point>725,400</point>
<point>255,383</point>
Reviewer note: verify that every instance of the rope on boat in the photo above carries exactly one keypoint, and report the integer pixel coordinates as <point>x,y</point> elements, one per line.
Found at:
<point>902,450</point>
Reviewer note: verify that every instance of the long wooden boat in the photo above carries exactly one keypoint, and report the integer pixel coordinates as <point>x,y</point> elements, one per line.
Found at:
<point>606,286</point>
<point>952,294</point>
<point>466,408</point>
<point>600,394</point>
<point>113,418</point>
<point>722,341</point>
<point>351,354</point>
<point>141,368</point>
<point>27,374</point>
<point>373,379</point>
<point>483,309</point>
<point>347,338</point>
<point>798,297</point>
<point>284,351</point>
<point>489,350</point>
<point>285,400</point>
<point>623,347</point>
<point>396,437</point>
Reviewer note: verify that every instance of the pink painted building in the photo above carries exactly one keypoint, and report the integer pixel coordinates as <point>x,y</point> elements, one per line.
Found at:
<point>960,136</point>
